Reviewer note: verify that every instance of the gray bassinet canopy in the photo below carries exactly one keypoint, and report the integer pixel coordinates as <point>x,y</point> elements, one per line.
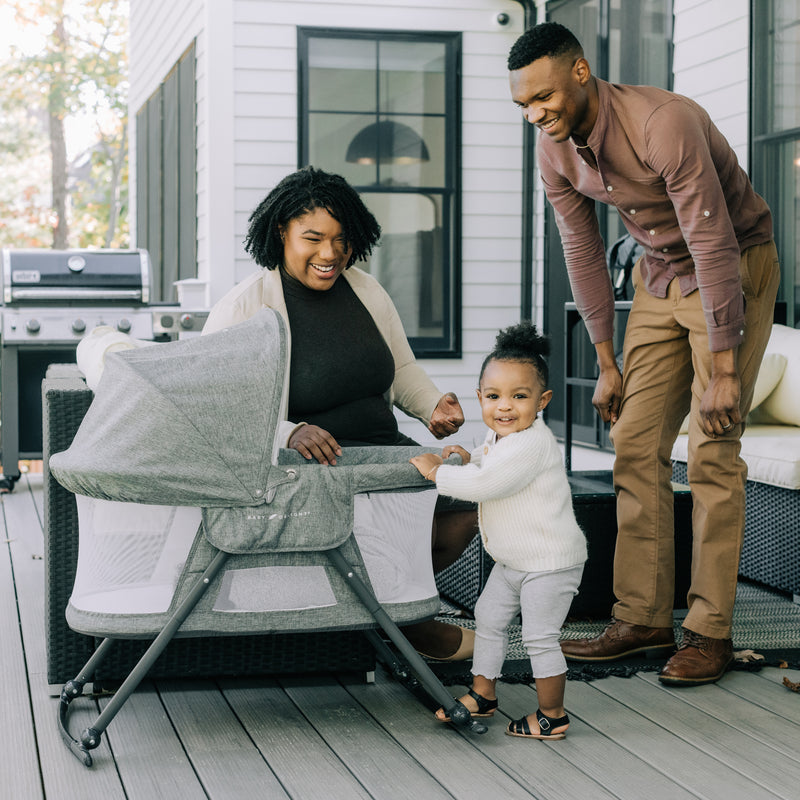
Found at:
<point>194,422</point>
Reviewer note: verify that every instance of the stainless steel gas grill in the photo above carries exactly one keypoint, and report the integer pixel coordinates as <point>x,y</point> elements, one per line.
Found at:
<point>51,300</point>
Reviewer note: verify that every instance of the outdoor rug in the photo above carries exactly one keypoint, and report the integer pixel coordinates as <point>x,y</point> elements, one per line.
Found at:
<point>766,632</point>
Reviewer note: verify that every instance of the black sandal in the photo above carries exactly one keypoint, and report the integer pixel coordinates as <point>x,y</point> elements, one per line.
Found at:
<point>521,728</point>
<point>486,707</point>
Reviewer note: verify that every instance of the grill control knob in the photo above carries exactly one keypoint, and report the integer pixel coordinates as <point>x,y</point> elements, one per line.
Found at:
<point>187,323</point>
<point>33,326</point>
<point>78,326</point>
<point>124,325</point>
<point>167,321</point>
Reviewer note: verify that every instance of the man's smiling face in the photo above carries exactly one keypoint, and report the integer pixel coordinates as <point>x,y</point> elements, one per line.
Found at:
<point>552,93</point>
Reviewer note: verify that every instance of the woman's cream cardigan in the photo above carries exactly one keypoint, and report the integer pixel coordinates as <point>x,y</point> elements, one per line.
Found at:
<point>412,391</point>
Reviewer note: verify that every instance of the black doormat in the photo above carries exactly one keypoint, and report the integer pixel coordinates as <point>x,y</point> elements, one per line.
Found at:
<point>766,632</point>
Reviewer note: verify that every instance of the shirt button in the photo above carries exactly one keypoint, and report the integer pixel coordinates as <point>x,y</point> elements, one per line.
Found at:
<point>665,249</point>
<point>706,213</point>
<point>609,188</point>
<point>633,211</point>
<point>652,233</point>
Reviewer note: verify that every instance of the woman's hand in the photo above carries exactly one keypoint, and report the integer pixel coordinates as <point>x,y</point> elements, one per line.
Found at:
<point>447,417</point>
<point>426,463</point>
<point>458,450</point>
<point>312,441</point>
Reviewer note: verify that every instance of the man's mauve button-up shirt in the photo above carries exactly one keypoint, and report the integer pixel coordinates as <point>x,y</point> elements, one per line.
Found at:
<point>680,192</point>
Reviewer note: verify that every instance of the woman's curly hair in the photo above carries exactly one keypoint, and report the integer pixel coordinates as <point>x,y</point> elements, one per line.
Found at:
<point>521,342</point>
<point>298,194</point>
<point>546,40</point>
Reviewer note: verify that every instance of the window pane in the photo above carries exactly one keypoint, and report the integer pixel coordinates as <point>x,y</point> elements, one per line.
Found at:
<point>342,74</point>
<point>412,77</point>
<point>639,42</point>
<point>409,261</point>
<point>786,64</point>
<point>328,138</point>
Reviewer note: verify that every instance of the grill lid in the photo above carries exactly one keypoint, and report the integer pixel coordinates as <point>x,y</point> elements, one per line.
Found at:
<point>38,275</point>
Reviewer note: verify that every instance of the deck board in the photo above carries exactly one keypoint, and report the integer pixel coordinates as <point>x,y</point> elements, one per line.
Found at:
<point>460,763</point>
<point>338,737</point>
<point>610,764</point>
<point>361,742</point>
<point>147,752</point>
<point>297,754</point>
<point>749,761</point>
<point>25,779</point>
<point>62,774</point>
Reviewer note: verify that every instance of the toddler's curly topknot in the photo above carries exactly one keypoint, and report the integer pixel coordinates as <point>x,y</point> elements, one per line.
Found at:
<point>521,342</point>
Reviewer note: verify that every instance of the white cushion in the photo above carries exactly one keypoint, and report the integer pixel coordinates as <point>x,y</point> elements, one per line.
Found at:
<point>782,406</point>
<point>770,373</point>
<point>93,348</point>
<point>771,452</point>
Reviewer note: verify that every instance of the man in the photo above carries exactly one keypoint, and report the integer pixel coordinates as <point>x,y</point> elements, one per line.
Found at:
<point>702,313</point>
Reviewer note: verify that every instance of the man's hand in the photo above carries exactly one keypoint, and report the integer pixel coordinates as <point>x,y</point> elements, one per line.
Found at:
<point>447,417</point>
<point>719,405</point>
<point>608,389</point>
<point>312,441</point>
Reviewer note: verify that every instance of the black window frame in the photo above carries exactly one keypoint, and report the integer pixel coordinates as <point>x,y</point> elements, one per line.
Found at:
<point>767,156</point>
<point>450,344</point>
<point>166,178</point>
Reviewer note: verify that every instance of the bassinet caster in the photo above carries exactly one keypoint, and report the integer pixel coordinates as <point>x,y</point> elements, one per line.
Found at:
<point>162,437</point>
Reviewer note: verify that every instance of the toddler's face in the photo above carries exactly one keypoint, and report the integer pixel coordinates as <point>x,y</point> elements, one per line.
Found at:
<point>511,395</point>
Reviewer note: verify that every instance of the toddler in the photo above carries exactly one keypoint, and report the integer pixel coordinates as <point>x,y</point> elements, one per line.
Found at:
<point>527,525</point>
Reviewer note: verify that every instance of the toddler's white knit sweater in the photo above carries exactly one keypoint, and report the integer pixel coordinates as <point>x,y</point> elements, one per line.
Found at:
<point>525,504</point>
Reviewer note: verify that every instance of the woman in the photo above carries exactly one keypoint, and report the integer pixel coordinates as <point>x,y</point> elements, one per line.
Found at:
<point>350,361</point>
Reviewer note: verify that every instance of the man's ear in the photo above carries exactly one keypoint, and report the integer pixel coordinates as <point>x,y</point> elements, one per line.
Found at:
<point>582,71</point>
<point>544,399</point>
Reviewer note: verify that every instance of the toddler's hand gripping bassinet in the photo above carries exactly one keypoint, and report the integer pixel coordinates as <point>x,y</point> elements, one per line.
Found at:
<point>194,523</point>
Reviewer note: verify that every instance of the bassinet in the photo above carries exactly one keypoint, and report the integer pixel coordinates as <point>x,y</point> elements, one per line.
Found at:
<point>194,523</point>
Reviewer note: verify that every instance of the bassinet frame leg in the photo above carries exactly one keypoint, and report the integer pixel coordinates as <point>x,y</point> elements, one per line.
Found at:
<point>90,737</point>
<point>456,710</point>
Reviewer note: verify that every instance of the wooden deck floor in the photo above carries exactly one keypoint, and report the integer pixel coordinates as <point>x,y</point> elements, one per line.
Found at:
<point>329,738</point>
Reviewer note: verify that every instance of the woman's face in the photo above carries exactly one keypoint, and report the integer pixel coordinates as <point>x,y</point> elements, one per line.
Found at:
<point>314,249</point>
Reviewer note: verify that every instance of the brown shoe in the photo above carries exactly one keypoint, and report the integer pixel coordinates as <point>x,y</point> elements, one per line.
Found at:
<point>699,660</point>
<point>620,640</point>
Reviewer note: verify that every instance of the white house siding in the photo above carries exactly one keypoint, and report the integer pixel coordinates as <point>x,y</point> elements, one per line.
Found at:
<point>265,149</point>
<point>711,62</point>
<point>247,138</point>
<point>159,33</point>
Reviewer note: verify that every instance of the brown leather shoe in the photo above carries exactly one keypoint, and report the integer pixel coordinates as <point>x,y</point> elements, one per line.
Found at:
<point>620,640</point>
<point>699,660</point>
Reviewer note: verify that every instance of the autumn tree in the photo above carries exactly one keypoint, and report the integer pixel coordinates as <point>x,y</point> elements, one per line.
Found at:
<point>81,71</point>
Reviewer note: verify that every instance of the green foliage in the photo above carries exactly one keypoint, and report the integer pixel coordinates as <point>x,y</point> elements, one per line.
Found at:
<point>79,74</point>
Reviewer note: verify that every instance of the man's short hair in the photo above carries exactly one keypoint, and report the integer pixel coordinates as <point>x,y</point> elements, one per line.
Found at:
<point>546,40</point>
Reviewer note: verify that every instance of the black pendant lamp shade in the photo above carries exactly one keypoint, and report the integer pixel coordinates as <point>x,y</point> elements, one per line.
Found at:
<point>387,142</point>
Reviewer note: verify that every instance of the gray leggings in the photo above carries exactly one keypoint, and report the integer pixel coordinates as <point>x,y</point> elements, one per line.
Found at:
<point>543,598</point>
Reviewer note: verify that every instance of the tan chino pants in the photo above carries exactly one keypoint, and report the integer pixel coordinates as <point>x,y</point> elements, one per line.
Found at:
<point>666,369</point>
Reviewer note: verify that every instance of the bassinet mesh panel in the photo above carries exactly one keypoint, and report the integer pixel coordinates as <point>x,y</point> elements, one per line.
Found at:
<point>771,549</point>
<point>130,555</point>
<point>257,592</point>
<point>65,400</point>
